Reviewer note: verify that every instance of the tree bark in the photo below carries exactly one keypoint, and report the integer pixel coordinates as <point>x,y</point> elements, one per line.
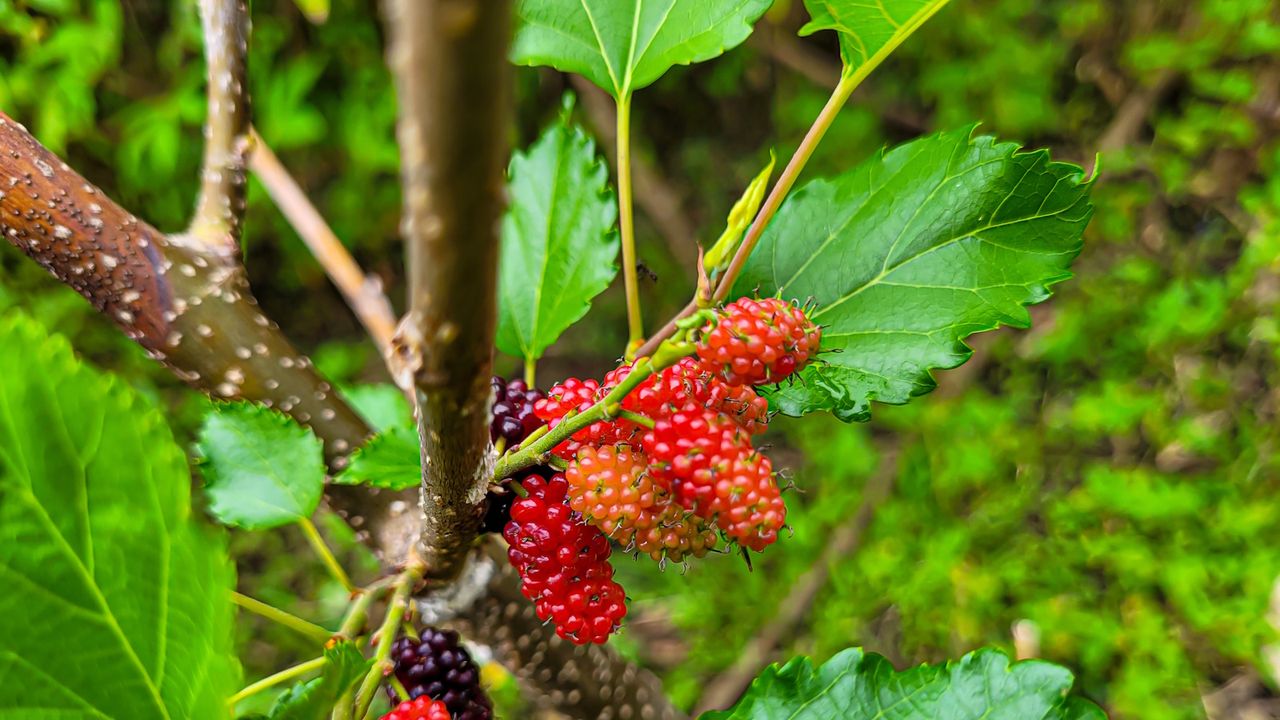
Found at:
<point>449,60</point>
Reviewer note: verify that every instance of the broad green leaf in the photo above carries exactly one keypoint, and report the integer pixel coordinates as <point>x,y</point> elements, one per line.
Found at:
<point>869,31</point>
<point>857,686</point>
<point>624,45</point>
<point>261,468</point>
<point>558,241</point>
<point>389,460</point>
<point>315,698</point>
<point>115,601</point>
<point>910,253</point>
<point>740,217</point>
<point>383,406</point>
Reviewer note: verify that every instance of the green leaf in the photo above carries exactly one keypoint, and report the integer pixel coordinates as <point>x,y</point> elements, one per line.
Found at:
<point>389,460</point>
<point>317,11</point>
<point>314,699</point>
<point>261,468</point>
<point>383,406</point>
<point>980,686</point>
<point>869,31</point>
<point>558,240</point>
<point>909,254</point>
<point>115,601</point>
<point>624,45</point>
<point>740,217</point>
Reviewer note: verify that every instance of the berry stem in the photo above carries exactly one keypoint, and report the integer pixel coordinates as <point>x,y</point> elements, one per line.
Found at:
<point>386,635</point>
<point>352,625</point>
<point>848,82</point>
<point>626,223</point>
<point>275,614</point>
<point>273,680</point>
<point>326,555</point>
<point>532,453</point>
<point>637,418</point>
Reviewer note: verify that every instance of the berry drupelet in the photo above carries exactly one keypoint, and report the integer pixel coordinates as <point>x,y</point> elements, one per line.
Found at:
<point>438,667</point>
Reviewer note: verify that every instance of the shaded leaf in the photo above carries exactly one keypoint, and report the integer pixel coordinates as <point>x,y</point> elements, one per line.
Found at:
<point>383,406</point>
<point>558,240</point>
<point>910,253</point>
<point>869,31</point>
<point>390,459</point>
<point>624,45</point>
<point>980,686</point>
<point>261,468</point>
<point>314,699</point>
<point>116,599</point>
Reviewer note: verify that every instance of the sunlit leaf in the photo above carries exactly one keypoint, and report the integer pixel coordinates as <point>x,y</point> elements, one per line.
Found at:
<point>558,240</point>
<point>261,468</point>
<point>910,253</point>
<point>115,601</point>
<point>869,31</point>
<point>980,686</point>
<point>389,460</point>
<point>624,45</point>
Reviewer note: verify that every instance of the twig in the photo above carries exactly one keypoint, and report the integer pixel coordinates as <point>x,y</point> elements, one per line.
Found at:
<point>271,681</point>
<point>449,61</point>
<point>404,586</point>
<point>326,555</point>
<point>728,685</point>
<point>278,616</point>
<point>220,207</point>
<point>1133,112</point>
<point>363,292</point>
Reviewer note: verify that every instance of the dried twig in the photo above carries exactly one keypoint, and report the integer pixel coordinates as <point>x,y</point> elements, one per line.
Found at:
<point>363,292</point>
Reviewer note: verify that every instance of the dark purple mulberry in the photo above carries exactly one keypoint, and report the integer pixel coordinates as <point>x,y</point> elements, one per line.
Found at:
<point>513,417</point>
<point>437,666</point>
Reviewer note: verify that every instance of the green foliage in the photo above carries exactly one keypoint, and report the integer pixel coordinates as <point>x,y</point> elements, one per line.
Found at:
<point>558,240</point>
<point>910,253</point>
<point>116,598</point>
<point>624,46</point>
<point>868,32</point>
<point>314,699</point>
<point>382,406</point>
<point>980,686</point>
<point>261,468</point>
<point>391,459</point>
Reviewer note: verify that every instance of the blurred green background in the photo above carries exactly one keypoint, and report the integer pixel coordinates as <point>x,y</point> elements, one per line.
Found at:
<point>1104,483</point>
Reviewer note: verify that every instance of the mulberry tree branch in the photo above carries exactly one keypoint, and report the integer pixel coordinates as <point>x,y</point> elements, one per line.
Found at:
<point>182,304</point>
<point>363,293</point>
<point>449,60</point>
<point>220,206</point>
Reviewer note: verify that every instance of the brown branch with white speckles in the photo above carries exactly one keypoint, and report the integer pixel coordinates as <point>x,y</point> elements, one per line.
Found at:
<point>192,311</point>
<point>220,207</point>
<point>449,60</point>
<point>363,292</point>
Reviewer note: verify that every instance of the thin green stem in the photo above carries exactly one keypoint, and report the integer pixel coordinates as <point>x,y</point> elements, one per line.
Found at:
<point>787,179</point>
<point>404,585</point>
<point>326,555</point>
<point>275,614</point>
<point>637,418</point>
<point>352,624</point>
<point>626,223</point>
<point>271,681</point>
<point>822,123</point>
<point>531,453</point>
<point>530,371</point>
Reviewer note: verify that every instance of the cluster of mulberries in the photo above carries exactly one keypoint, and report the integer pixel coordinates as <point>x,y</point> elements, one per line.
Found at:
<point>667,478</point>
